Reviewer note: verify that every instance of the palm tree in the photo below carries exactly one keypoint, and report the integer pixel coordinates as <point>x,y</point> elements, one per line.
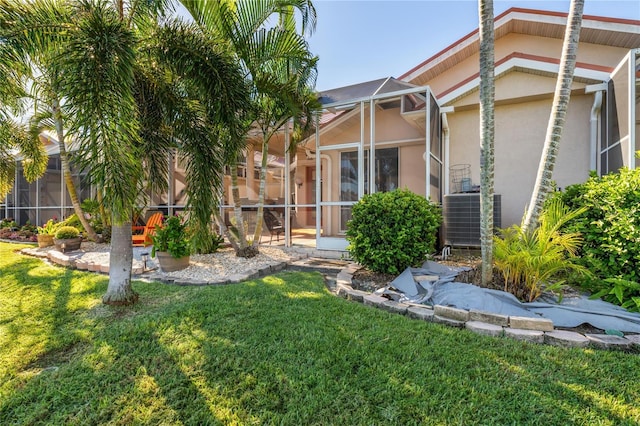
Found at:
<point>13,136</point>
<point>544,180</point>
<point>487,94</point>
<point>277,62</point>
<point>116,110</point>
<point>37,73</point>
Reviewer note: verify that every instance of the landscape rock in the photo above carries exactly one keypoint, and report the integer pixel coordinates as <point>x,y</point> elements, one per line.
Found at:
<point>451,313</point>
<point>484,328</point>
<point>605,341</point>
<point>527,323</point>
<point>568,339</point>
<point>533,336</point>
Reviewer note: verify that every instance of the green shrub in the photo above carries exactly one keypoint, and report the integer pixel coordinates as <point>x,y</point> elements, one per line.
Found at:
<point>171,237</point>
<point>531,262</point>
<point>390,231</point>
<point>72,220</point>
<point>49,228</point>
<point>67,232</point>
<point>8,223</point>
<point>611,231</point>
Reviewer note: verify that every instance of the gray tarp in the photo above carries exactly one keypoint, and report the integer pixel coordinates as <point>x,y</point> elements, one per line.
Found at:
<point>433,284</point>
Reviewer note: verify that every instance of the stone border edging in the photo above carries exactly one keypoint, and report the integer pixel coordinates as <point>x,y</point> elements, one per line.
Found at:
<point>533,330</point>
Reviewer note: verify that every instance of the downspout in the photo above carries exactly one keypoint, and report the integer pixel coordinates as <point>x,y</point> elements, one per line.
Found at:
<point>594,123</point>
<point>445,133</point>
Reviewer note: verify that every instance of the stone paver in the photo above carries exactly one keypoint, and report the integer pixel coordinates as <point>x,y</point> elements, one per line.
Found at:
<point>533,336</point>
<point>484,328</point>
<point>452,313</point>
<point>527,323</point>
<point>448,321</point>
<point>342,290</point>
<point>374,300</point>
<point>395,307</point>
<point>605,341</point>
<point>417,312</point>
<point>489,317</point>
<point>568,339</point>
<point>356,295</point>
<point>634,339</point>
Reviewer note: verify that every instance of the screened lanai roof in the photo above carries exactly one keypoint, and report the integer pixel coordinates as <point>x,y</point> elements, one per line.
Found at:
<point>363,90</point>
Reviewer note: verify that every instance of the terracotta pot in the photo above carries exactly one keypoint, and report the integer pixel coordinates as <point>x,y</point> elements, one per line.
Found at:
<point>169,263</point>
<point>45,240</point>
<point>68,244</point>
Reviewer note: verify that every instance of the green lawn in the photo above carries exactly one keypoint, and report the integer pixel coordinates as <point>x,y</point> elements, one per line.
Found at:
<point>278,350</point>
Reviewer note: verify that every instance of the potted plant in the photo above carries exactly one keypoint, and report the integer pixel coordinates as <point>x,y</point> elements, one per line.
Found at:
<point>67,238</point>
<point>47,232</point>
<point>171,245</point>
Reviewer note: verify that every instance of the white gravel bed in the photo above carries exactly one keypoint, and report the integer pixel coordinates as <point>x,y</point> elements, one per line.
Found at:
<point>224,264</point>
<point>217,266</point>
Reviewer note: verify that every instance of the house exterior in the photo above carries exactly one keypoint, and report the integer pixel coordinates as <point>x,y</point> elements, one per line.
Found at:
<point>438,124</point>
<point>421,131</point>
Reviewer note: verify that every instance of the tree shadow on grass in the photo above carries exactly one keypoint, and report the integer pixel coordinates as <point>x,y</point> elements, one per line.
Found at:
<point>282,350</point>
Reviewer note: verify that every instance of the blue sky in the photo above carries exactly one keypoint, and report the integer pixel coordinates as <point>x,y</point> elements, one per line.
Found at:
<point>362,40</point>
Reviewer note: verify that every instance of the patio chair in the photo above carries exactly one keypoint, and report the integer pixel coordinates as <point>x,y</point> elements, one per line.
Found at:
<point>273,225</point>
<point>144,239</point>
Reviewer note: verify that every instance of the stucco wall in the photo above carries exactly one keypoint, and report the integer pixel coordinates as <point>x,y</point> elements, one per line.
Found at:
<point>531,45</point>
<point>520,133</point>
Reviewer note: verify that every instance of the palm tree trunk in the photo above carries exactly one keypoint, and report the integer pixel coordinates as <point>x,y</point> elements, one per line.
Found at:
<point>119,290</point>
<point>487,94</point>
<point>243,249</point>
<point>66,171</point>
<point>544,182</point>
<point>263,183</point>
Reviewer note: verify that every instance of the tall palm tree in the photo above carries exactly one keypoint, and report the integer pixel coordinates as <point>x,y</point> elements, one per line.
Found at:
<point>277,62</point>
<point>120,114</point>
<point>40,79</point>
<point>13,136</point>
<point>487,95</point>
<point>561,97</point>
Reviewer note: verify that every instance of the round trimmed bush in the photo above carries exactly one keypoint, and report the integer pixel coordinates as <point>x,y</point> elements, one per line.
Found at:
<point>390,231</point>
<point>67,232</point>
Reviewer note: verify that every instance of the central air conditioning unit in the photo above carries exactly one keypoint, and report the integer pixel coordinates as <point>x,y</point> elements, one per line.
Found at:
<point>462,219</point>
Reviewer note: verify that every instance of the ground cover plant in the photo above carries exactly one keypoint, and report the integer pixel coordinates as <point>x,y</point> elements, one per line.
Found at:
<point>535,261</point>
<point>611,232</point>
<point>278,350</point>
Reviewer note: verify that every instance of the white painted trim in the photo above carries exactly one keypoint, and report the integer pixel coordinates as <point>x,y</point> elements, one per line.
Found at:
<point>527,64</point>
<point>377,96</point>
<point>339,147</point>
<point>474,37</point>
<point>331,243</point>
<point>633,54</point>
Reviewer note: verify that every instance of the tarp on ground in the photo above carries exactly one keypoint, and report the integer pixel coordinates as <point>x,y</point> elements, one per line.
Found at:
<point>434,284</point>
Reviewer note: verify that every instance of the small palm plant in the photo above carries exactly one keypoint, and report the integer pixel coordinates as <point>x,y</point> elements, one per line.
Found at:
<point>531,262</point>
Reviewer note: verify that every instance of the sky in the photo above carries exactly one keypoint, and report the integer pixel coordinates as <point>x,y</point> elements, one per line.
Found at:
<point>362,40</point>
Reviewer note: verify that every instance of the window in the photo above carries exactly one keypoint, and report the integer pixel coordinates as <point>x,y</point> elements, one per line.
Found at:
<point>386,177</point>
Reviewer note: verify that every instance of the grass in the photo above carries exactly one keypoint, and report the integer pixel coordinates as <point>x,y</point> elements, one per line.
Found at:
<point>278,350</point>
